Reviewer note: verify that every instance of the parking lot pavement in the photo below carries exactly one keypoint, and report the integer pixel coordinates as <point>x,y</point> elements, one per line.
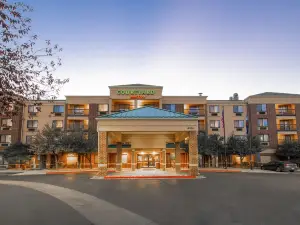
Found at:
<point>221,198</point>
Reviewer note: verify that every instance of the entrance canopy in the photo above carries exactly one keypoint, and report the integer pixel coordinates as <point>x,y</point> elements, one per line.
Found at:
<point>147,119</point>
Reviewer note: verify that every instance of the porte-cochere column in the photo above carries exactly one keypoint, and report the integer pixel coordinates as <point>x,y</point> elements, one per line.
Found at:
<point>193,154</point>
<point>177,157</point>
<point>119,157</point>
<point>102,153</point>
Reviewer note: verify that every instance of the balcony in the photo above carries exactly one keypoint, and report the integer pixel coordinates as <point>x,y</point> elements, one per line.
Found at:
<point>6,127</point>
<point>78,112</point>
<point>195,112</point>
<point>283,140</point>
<point>286,127</point>
<point>77,127</point>
<point>285,112</point>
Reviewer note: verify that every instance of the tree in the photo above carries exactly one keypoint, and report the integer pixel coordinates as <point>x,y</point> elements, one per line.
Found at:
<point>82,144</point>
<point>49,141</point>
<point>243,146</point>
<point>210,145</point>
<point>289,149</point>
<point>26,68</point>
<point>17,152</point>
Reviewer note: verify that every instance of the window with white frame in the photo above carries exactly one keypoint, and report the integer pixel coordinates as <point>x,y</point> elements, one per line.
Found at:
<point>58,108</point>
<point>239,123</point>
<point>237,108</point>
<point>261,108</point>
<point>32,109</point>
<point>103,108</point>
<point>262,122</point>
<point>263,137</point>
<point>214,109</point>
<point>6,122</point>
<point>4,138</point>
<point>170,107</point>
<point>29,139</point>
<point>214,123</point>
<point>57,123</point>
<point>32,123</point>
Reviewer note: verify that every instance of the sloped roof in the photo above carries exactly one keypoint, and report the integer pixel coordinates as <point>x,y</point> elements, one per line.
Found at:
<point>275,94</point>
<point>136,85</point>
<point>148,113</point>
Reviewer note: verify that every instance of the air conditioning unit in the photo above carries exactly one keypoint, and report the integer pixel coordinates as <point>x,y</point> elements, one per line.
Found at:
<point>238,114</point>
<point>239,129</point>
<point>57,114</point>
<point>262,128</point>
<point>262,113</point>
<point>32,113</point>
<point>5,144</point>
<point>31,129</point>
<point>5,128</point>
<point>215,129</point>
<point>214,114</point>
<point>264,143</point>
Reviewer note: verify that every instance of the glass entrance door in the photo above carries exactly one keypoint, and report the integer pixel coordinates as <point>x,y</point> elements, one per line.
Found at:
<point>148,160</point>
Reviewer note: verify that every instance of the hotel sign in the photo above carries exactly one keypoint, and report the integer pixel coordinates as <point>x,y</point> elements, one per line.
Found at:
<point>136,94</point>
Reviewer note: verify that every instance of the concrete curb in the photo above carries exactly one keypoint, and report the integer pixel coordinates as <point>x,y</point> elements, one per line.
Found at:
<point>219,171</point>
<point>147,177</point>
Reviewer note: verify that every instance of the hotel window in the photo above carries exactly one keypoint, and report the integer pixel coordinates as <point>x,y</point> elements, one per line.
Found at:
<point>237,108</point>
<point>214,109</point>
<point>238,123</point>
<point>170,107</point>
<point>6,122</point>
<point>57,123</point>
<point>29,139</point>
<point>58,109</point>
<point>262,122</point>
<point>32,109</point>
<point>214,123</point>
<point>5,138</point>
<point>261,108</point>
<point>32,123</point>
<point>263,137</point>
<point>103,108</point>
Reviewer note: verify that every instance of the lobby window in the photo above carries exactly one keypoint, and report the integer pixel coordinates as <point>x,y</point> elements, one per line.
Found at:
<point>32,123</point>
<point>6,122</point>
<point>5,138</point>
<point>261,108</point>
<point>32,109</point>
<point>237,108</point>
<point>262,123</point>
<point>29,139</point>
<point>238,123</point>
<point>170,107</point>
<point>102,109</point>
<point>263,137</point>
<point>57,123</point>
<point>58,109</point>
<point>214,123</point>
<point>214,109</point>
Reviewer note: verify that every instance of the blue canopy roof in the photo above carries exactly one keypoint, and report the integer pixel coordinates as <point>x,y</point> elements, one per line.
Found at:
<point>148,112</point>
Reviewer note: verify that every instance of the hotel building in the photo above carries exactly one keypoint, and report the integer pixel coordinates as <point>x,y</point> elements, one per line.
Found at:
<point>140,127</point>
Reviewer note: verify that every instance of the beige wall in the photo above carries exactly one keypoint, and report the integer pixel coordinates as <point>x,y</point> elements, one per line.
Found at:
<point>230,116</point>
<point>184,99</point>
<point>87,99</point>
<point>44,117</point>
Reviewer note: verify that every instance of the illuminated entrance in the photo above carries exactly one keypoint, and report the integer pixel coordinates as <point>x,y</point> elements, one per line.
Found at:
<point>148,161</point>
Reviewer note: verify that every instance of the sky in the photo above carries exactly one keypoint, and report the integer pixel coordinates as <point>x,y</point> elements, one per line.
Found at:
<point>216,47</point>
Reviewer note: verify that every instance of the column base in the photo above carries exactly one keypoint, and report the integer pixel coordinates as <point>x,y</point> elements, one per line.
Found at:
<point>118,168</point>
<point>194,171</point>
<point>177,168</point>
<point>102,172</point>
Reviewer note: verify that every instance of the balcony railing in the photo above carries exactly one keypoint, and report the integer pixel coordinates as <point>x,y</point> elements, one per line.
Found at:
<point>284,140</point>
<point>102,113</point>
<point>287,127</point>
<point>285,112</point>
<point>77,127</point>
<point>78,112</point>
<point>121,108</point>
<point>195,112</point>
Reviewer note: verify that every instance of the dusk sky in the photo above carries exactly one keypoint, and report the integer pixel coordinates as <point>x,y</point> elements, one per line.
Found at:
<point>217,47</point>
